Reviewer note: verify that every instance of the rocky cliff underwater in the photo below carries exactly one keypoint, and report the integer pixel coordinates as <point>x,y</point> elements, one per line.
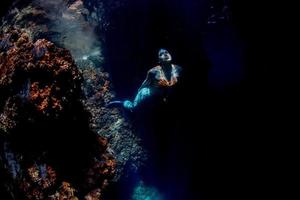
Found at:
<point>57,138</point>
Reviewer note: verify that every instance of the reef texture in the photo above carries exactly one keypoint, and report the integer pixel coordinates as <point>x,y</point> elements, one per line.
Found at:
<point>47,98</point>
<point>47,148</point>
<point>124,144</point>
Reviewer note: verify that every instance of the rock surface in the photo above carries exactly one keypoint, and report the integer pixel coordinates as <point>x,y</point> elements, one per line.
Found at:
<point>44,87</point>
<point>44,125</point>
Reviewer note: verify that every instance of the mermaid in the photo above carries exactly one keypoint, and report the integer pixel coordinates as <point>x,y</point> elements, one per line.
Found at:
<point>159,78</point>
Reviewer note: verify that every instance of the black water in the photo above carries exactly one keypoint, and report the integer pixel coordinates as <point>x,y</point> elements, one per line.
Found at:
<point>210,141</point>
<point>138,31</point>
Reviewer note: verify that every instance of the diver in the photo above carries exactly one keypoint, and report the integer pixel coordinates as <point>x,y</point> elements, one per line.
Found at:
<point>158,81</point>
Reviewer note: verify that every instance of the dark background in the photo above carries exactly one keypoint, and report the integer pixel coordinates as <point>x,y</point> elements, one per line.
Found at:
<point>229,110</point>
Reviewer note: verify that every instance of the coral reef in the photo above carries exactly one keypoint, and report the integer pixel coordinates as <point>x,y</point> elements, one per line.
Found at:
<point>49,94</point>
<point>68,24</point>
<point>47,98</point>
<point>124,143</point>
<point>47,148</point>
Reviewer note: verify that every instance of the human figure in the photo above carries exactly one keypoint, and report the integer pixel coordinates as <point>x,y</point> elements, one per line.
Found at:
<point>159,79</point>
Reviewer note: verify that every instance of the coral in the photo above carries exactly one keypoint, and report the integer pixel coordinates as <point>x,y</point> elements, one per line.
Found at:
<point>38,179</point>
<point>46,99</point>
<point>59,25</point>
<point>43,123</point>
<point>37,72</point>
<point>65,191</point>
<point>124,143</point>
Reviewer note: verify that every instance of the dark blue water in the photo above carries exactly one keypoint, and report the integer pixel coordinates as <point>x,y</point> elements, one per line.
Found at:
<point>190,140</point>
<point>210,146</point>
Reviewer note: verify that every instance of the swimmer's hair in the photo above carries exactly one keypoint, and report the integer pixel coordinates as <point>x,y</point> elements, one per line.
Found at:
<point>162,50</point>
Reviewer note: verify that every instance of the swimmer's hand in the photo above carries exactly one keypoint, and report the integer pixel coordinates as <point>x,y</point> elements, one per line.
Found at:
<point>128,104</point>
<point>163,83</point>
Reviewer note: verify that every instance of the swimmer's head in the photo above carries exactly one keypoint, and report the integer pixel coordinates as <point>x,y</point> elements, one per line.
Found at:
<point>164,56</point>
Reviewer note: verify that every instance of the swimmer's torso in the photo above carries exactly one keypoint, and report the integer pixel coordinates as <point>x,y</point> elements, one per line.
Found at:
<point>160,79</point>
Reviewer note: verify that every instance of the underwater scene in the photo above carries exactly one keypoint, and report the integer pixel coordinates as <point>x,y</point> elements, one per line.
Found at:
<point>131,100</point>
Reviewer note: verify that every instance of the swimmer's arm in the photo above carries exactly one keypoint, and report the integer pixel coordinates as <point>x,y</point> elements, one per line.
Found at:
<point>147,82</point>
<point>178,70</point>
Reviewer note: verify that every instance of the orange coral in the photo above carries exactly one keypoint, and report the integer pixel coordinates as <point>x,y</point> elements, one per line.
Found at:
<point>36,185</point>
<point>45,80</point>
<point>21,56</point>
